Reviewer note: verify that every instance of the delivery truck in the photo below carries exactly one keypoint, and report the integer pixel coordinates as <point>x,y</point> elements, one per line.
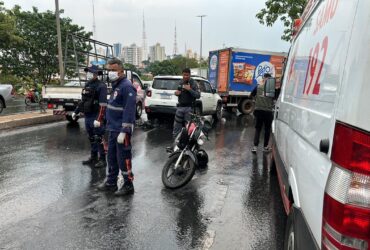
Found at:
<point>235,72</point>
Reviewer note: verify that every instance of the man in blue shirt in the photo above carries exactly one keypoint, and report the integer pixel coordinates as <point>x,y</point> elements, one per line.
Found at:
<point>121,112</point>
<point>93,105</point>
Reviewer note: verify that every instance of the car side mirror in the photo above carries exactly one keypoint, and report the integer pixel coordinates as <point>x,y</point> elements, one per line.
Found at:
<point>213,91</point>
<point>270,87</point>
<point>146,86</point>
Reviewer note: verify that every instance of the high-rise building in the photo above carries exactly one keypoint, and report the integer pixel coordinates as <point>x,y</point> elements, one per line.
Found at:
<point>101,51</point>
<point>189,53</point>
<point>157,53</point>
<point>132,54</point>
<point>117,48</point>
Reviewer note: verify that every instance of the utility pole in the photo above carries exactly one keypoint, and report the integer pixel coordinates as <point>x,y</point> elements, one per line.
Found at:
<point>201,34</point>
<point>60,55</point>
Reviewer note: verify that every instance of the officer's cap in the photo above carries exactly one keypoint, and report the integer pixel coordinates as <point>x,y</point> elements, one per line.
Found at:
<point>93,69</point>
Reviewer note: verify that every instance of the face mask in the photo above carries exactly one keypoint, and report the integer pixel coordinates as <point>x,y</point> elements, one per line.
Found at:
<point>113,75</point>
<point>89,76</point>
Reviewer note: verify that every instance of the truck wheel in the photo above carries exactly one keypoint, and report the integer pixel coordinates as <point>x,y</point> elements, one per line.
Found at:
<point>71,120</point>
<point>290,241</point>
<point>246,106</point>
<point>139,110</point>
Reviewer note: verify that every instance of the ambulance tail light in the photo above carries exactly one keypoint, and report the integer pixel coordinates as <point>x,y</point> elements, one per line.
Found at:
<point>346,211</point>
<point>149,93</point>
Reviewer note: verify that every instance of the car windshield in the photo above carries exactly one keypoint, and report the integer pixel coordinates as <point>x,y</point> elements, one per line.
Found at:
<point>168,84</point>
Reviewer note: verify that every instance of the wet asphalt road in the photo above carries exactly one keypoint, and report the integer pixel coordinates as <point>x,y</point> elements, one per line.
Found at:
<point>48,200</point>
<point>17,105</point>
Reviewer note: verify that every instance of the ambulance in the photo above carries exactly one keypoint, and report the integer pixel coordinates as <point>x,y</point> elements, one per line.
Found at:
<point>321,128</point>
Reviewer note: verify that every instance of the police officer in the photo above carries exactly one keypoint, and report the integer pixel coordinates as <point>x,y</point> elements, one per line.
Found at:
<point>93,105</point>
<point>187,93</point>
<point>121,111</point>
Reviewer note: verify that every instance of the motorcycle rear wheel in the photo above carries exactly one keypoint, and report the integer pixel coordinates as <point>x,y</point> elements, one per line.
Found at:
<point>176,178</point>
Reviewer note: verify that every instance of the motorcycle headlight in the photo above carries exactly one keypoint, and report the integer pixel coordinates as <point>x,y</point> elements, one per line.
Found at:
<point>200,141</point>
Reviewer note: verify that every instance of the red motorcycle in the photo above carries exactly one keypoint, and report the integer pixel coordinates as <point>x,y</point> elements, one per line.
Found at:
<point>32,96</point>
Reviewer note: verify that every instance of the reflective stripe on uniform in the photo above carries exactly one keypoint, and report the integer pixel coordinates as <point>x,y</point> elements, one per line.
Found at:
<point>103,104</point>
<point>125,125</point>
<point>115,108</point>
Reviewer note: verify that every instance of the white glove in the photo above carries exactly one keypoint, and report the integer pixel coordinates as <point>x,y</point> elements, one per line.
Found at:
<point>96,124</point>
<point>121,138</point>
<point>74,116</point>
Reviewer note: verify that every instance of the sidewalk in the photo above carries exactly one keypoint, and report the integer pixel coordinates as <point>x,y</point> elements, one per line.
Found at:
<point>28,119</point>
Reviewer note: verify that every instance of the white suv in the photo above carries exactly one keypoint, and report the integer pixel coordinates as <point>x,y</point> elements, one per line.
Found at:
<point>161,99</point>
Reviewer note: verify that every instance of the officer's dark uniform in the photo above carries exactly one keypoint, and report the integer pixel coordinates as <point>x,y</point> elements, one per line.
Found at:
<point>93,104</point>
<point>185,104</point>
<point>121,111</point>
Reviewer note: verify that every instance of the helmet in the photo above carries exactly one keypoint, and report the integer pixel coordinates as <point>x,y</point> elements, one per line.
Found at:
<point>202,157</point>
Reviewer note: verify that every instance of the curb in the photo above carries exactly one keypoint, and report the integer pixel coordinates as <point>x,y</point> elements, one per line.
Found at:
<point>28,119</point>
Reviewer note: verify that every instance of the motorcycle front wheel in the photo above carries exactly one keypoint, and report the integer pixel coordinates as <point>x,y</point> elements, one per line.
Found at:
<point>27,101</point>
<point>175,178</point>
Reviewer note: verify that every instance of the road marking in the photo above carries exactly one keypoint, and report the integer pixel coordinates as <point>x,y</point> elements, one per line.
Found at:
<point>215,211</point>
<point>220,198</point>
<point>209,239</point>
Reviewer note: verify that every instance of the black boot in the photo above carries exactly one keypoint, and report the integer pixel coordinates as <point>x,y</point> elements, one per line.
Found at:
<point>105,186</point>
<point>91,161</point>
<point>126,189</point>
<point>101,163</point>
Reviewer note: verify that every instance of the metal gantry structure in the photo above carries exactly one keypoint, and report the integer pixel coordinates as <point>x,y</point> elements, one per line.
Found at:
<point>78,59</point>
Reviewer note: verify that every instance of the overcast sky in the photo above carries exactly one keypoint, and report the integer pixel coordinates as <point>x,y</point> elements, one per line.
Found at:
<point>228,22</point>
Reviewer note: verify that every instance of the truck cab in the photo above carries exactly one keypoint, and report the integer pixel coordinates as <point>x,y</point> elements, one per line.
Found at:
<point>63,100</point>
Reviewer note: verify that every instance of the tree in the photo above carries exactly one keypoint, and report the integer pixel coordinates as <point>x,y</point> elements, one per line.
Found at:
<point>181,62</point>
<point>131,67</point>
<point>173,66</point>
<point>37,56</point>
<point>163,68</point>
<point>285,10</point>
<point>7,29</point>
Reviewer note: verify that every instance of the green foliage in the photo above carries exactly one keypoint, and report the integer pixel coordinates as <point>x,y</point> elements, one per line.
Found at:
<point>173,66</point>
<point>285,10</point>
<point>146,77</point>
<point>7,29</point>
<point>36,57</point>
<point>132,67</point>
<point>162,68</point>
<point>181,62</point>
